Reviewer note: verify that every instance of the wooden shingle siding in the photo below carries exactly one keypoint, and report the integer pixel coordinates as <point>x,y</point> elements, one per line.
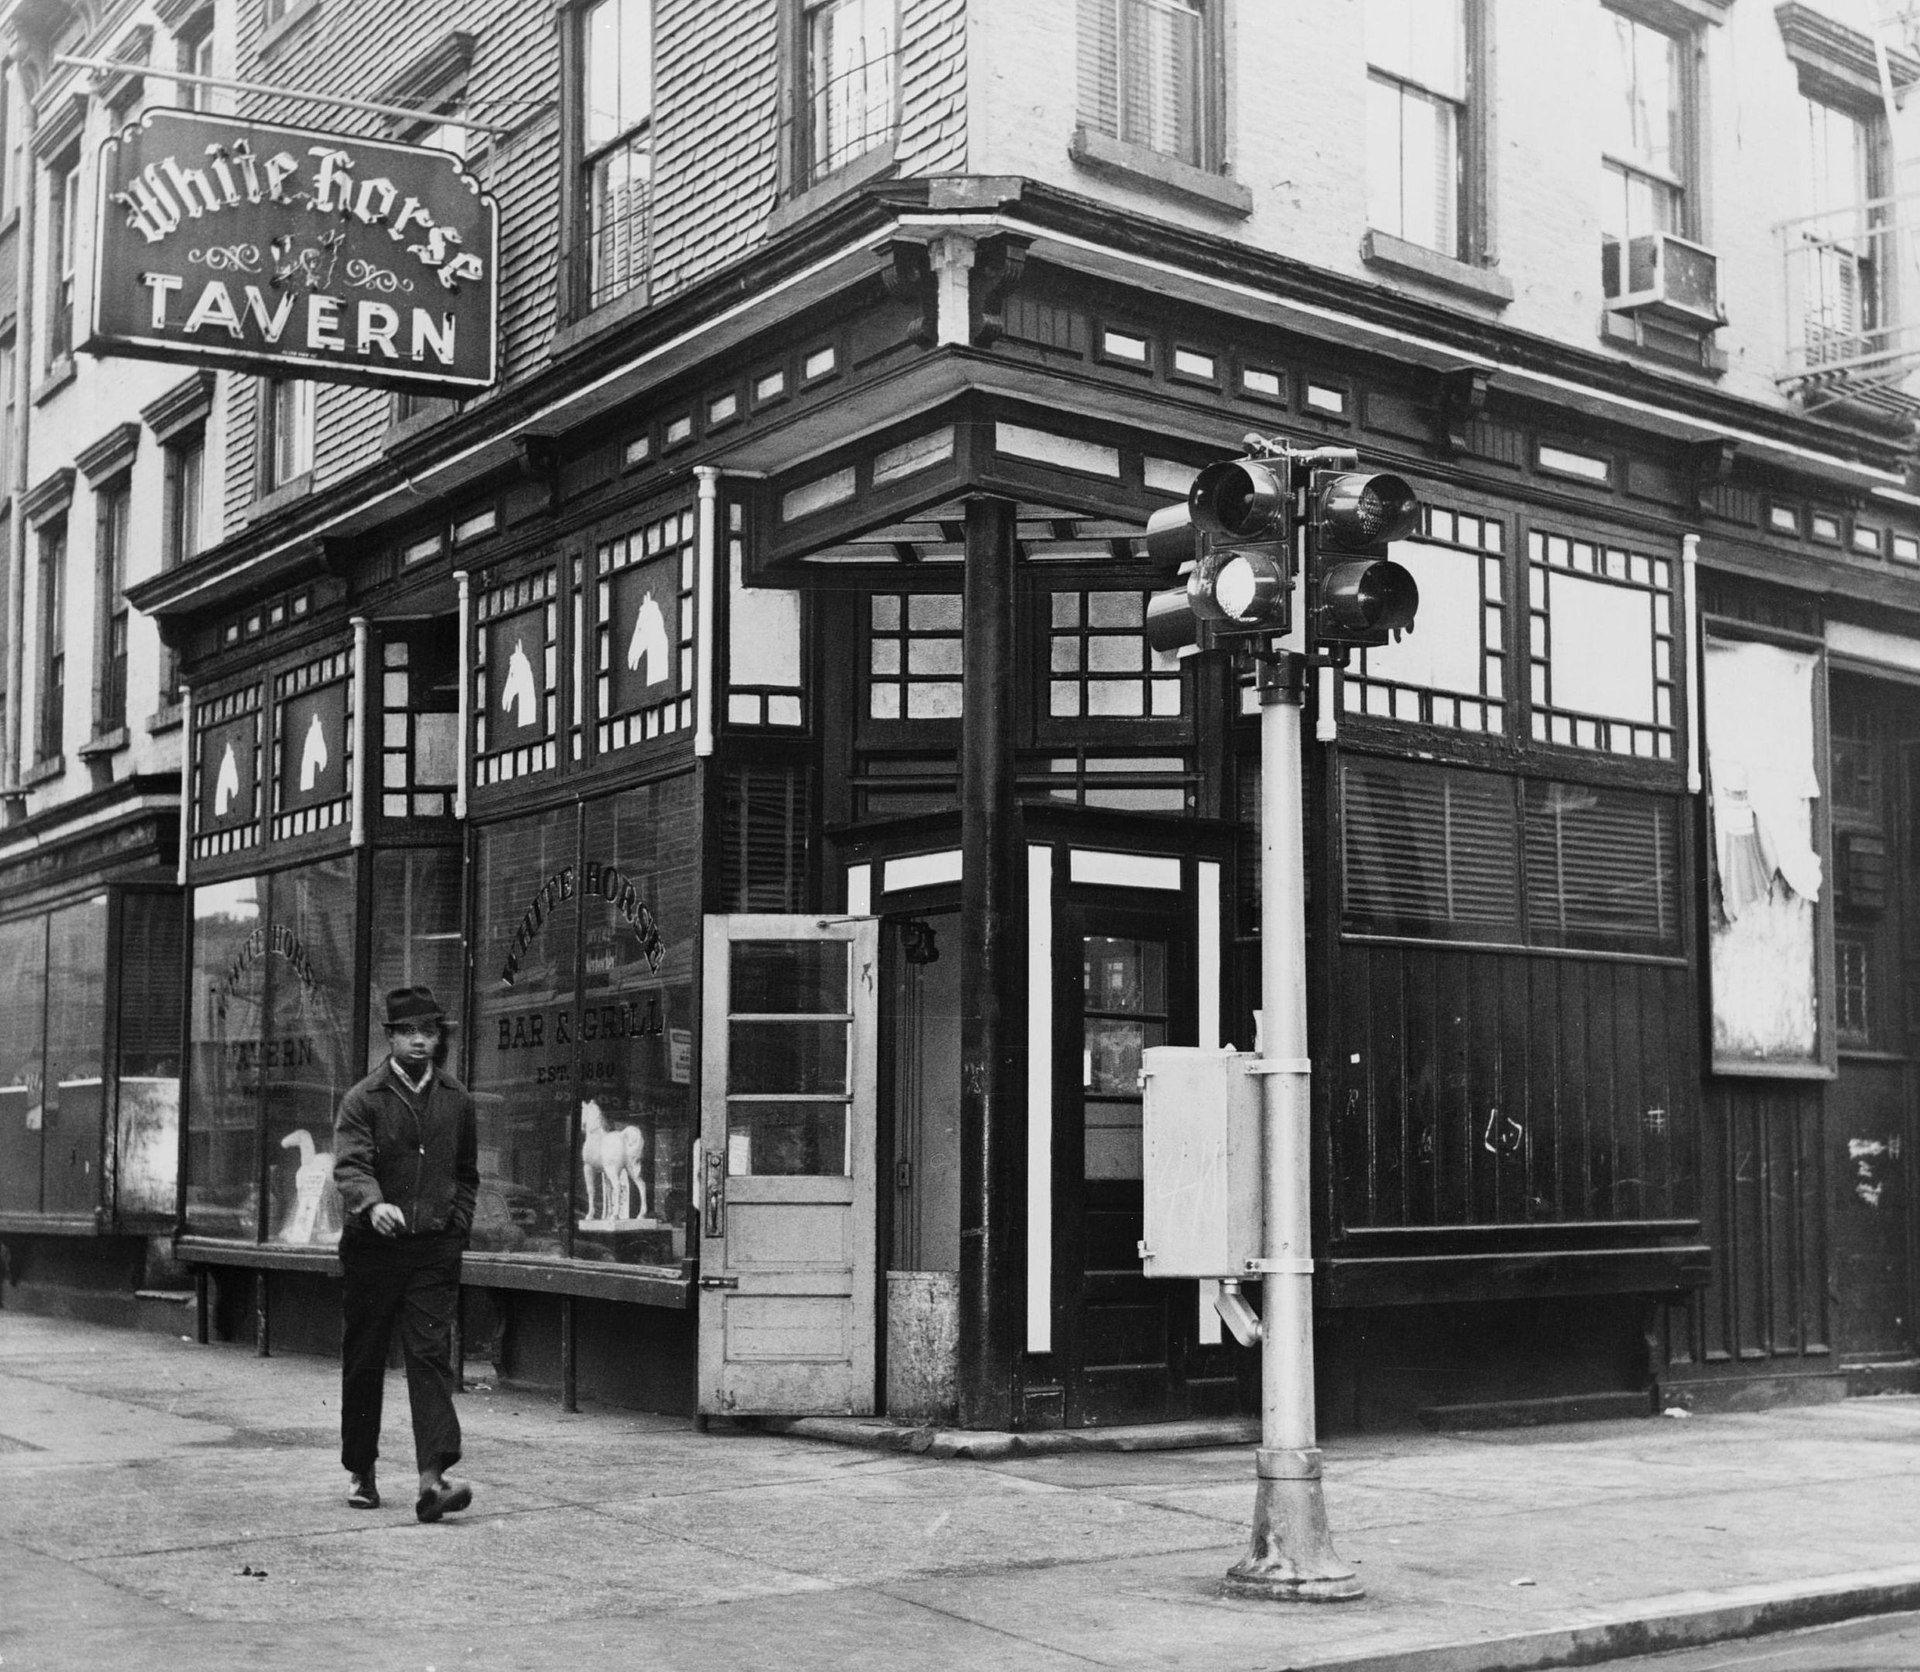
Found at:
<point>716,135</point>
<point>933,77</point>
<point>717,153</point>
<point>1494,1089</point>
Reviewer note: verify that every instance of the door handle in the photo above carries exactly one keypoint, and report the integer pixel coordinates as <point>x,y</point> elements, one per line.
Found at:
<point>719,1282</point>
<point>716,1164</point>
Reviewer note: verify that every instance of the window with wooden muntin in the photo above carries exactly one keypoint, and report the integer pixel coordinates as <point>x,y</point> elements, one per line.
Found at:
<point>420,720</point>
<point>1435,852</point>
<point>1451,670</point>
<point>643,631</point>
<point>1600,646</point>
<point>516,677</point>
<point>1099,664</point>
<point>914,662</point>
<point>313,754</point>
<point>226,773</point>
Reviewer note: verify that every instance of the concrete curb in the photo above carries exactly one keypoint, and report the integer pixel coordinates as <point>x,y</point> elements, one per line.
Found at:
<point>989,1445</point>
<point>1687,1620</point>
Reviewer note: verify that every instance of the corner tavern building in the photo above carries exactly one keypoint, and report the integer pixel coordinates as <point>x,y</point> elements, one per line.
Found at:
<point>740,713</point>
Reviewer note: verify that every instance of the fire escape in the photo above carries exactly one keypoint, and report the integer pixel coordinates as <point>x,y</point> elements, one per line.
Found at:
<point>1850,342</point>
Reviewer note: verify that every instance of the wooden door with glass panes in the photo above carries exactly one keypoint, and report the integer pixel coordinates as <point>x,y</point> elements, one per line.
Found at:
<point>786,1165</point>
<point>1126,1346</point>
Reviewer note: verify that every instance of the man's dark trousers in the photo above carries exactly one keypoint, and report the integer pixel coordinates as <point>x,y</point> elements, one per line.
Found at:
<point>414,1281</point>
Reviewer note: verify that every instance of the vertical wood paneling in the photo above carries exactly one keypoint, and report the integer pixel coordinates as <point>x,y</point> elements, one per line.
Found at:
<point>1478,1088</point>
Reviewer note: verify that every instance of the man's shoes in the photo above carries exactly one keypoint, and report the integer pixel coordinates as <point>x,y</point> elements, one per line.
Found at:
<point>448,1498</point>
<point>365,1495</point>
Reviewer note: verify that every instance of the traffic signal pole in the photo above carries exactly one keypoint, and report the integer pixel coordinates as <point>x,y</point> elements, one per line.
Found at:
<point>1291,1557</point>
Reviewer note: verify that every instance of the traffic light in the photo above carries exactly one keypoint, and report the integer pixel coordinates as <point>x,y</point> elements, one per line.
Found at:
<point>1356,594</point>
<point>1236,531</point>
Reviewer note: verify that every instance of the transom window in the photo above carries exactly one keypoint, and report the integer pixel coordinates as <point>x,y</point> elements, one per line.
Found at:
<point>851,48</point>
<point>1600,646</point>
<point>1100,665</point>
<point>914,659</point>
<point>616,45</point>
<point>1451,670</point>
<point>1416,120</point>
<point>1144,69</point>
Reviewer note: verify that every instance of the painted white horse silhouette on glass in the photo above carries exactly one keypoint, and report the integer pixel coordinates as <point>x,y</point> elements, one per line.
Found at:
<point>517,695</point>
<point>649,642</point>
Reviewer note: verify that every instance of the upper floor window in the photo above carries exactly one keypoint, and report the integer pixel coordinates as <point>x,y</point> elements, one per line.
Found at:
<point>1146,75</point>
<point>110,596</point>
<point>1645,91</point>
<point>850,80</point>
<point>186,462</point>
<point>1839,239</point>
<point>616,144</point>
<point>193,52</point>
<point>288,441</point>
<point>1417,88</point>
<point>63,226</point>
<point>1099,664</point>
<point>52,624</point>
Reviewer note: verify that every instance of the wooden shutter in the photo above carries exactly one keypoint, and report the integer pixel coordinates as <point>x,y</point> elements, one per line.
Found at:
<point>1429,851</point>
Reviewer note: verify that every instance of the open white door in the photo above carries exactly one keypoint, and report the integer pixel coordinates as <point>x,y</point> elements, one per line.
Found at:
<point>786,1179</point>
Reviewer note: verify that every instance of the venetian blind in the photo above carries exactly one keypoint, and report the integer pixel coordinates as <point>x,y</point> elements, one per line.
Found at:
<point>1429,850</point>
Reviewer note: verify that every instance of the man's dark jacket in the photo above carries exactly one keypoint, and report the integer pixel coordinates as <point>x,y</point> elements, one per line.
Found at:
<point>426,1163</point>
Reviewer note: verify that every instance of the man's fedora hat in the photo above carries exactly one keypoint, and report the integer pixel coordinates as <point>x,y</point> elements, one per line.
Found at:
<point>413,1004</point>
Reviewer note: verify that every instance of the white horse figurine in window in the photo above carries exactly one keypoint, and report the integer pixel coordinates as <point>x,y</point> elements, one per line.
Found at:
<point>610,1158</point>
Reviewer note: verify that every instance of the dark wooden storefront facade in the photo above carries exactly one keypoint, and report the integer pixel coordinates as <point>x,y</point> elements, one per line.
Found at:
<point>1532,1180</point>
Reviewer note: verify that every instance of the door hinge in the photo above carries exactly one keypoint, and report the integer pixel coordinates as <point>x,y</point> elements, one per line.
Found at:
<point>903,1176</point>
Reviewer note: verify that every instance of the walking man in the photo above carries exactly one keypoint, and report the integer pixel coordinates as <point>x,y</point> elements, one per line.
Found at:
<point>406,1163</point>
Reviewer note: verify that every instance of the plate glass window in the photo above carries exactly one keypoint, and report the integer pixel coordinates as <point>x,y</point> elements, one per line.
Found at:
<point>616,143</point>
<point>1416,120</point>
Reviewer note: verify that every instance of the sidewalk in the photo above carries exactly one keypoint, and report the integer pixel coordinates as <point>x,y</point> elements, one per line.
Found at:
<point>165,1506</point>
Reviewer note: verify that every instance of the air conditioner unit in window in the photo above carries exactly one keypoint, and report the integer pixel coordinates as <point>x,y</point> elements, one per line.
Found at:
<point>1664,277</point>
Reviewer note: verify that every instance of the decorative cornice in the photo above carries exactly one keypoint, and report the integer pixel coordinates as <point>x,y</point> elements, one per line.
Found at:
<point>111,455</point>
<point>60,125</point>
<point>49,497</point>
<point>1836,59</point>
<point>435,73</point>
<point>187,403</point>
<point>174,15</point>
<point>116,88</point>
<point>256,558</point>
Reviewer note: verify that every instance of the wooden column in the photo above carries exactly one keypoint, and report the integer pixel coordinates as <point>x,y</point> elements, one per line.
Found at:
<point>992,973</point>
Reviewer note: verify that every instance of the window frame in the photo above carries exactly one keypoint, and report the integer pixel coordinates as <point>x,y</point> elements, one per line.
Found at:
<point>1684,181</point>
<point>193,49</point>
<point>63,243</point>
<point>50,623</point>
<point>1473,195</point>
<point>112,525</point>
<point>1095,146</point>
<point>808,173</point>
<point>583,295</point>
<point>271,438</point>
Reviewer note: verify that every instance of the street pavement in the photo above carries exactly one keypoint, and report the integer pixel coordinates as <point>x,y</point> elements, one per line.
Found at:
<point>166,1505</point>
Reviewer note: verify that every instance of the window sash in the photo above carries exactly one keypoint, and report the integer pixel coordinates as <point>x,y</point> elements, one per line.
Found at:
<point>53,648</point>
<point>852,46</point>
<point>290,430</point>
<point>1646,120</point>
<point>1143,74</point>
<point>1415,178</point>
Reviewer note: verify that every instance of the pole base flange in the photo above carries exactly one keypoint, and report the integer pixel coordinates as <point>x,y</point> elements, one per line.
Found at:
<point>1291,1557</point>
